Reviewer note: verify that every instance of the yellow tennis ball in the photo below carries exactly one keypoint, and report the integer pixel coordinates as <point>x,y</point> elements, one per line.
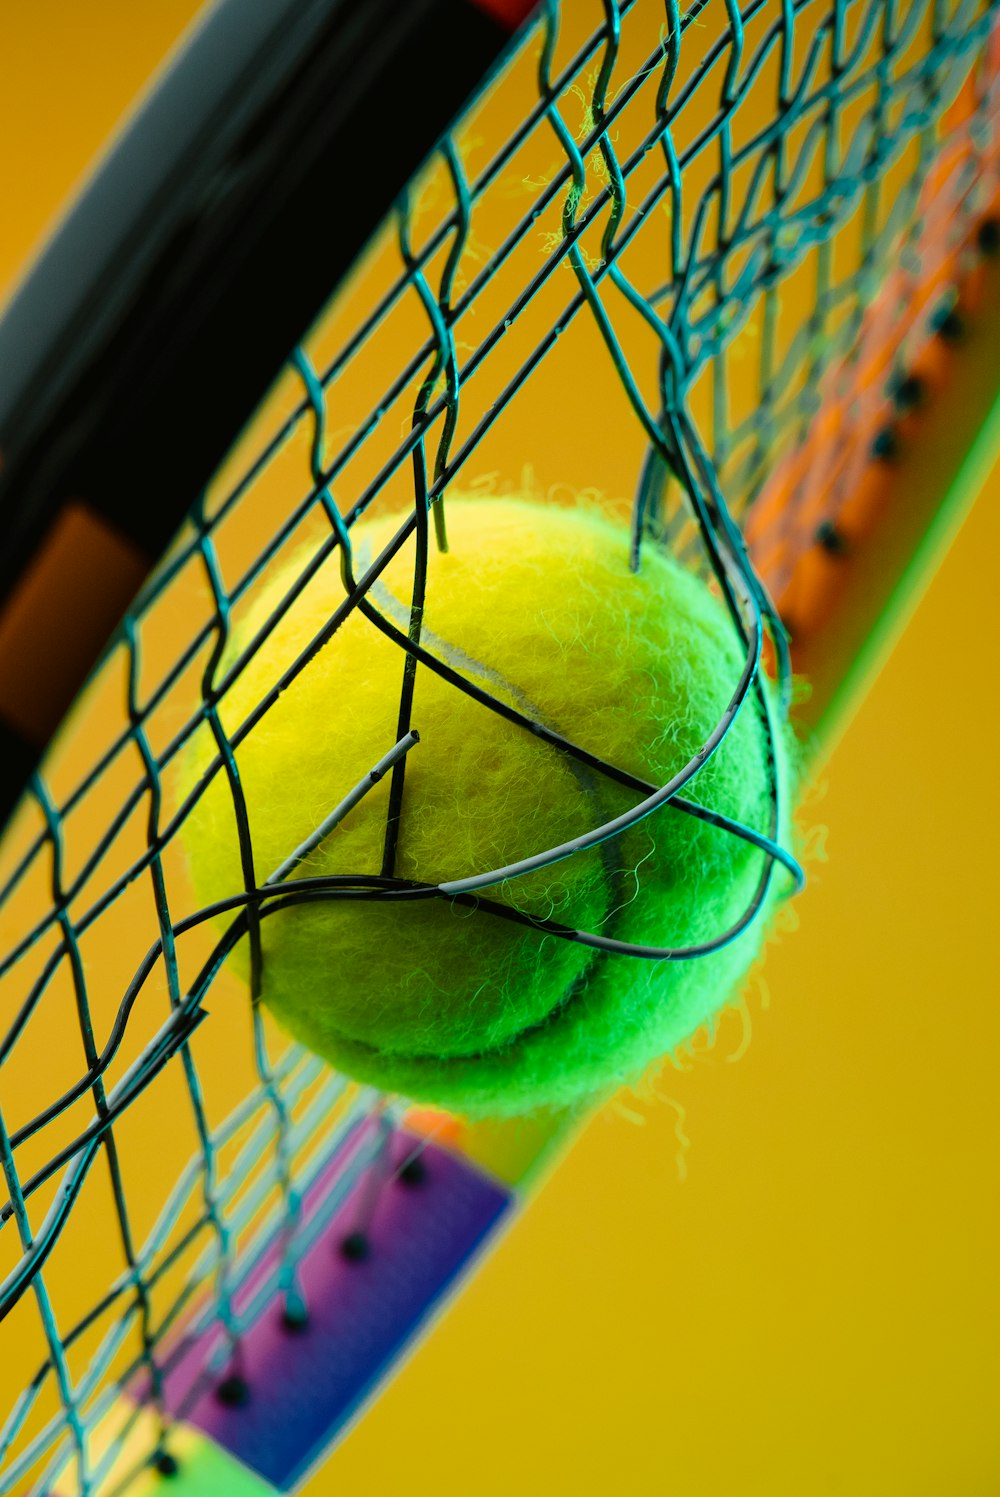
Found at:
<point>445,1000</point>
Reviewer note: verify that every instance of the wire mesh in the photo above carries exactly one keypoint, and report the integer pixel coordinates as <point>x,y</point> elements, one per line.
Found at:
<point>662,244</point>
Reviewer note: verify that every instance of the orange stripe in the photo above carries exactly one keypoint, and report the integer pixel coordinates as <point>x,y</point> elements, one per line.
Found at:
<point>833,471</point>
<point>59,617</point>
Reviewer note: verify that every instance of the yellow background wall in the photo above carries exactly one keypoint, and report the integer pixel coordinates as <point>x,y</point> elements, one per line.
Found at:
<point>814,1308</point>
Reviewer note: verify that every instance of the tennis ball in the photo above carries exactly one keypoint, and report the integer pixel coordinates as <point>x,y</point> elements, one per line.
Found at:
<point>442,1000</point>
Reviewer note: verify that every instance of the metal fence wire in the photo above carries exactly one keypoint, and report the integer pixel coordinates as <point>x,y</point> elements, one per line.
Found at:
<point>664,230</point>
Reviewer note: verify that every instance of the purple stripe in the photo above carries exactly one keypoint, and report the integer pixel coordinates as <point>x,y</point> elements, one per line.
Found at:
<point>304,1385</point>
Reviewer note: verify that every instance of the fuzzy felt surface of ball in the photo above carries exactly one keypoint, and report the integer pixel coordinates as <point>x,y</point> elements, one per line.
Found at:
<point>442,999</point>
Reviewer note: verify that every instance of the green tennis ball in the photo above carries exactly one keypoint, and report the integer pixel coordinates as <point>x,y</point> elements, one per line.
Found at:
<point>441,1000</point>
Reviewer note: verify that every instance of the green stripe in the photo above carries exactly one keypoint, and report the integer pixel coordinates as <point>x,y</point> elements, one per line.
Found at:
<point>924,561</point>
